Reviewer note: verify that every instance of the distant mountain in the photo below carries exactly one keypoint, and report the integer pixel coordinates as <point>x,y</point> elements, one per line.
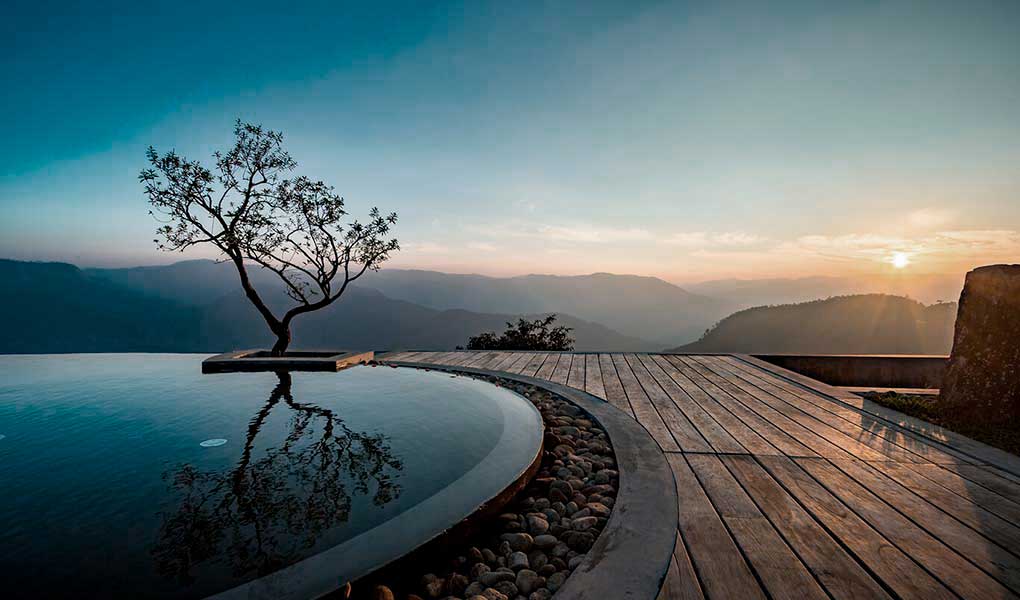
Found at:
<point>745,293</point>
<point>643,307</point>
<point>863,324</point>
<point>196,306</point>
<point>55,307</point>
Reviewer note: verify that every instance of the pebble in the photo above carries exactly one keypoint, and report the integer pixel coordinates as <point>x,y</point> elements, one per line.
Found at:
<point>537,525</point>
<point>518,561</point>
<point>555,581</point>
<point>527,581</point>
<point>550,526</point>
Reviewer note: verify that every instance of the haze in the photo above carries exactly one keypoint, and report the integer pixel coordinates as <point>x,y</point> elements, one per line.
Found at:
<point>689,141</point>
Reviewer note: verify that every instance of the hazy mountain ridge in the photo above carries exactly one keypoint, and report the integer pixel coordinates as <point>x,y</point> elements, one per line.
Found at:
<point>197,306</point>
<point>858,324</point>
<point>643,307</point>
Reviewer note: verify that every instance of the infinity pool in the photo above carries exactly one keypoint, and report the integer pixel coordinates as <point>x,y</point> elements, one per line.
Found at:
<point>129,476</point>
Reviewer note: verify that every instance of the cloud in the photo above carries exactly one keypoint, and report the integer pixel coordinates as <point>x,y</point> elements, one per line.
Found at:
<point>424,248</point>
<point>931,218</point>
<point>588,234</point>
<point>702,239</point>
<point>591,234</point>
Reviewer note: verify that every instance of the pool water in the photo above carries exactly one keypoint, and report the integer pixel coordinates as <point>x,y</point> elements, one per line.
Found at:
<point>129,476</point>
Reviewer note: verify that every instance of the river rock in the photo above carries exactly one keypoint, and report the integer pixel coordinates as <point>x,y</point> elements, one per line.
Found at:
<point>527,581</point>
<point>507,588</point>
<point>518,541</point>
<point>517,561</point>
<point>491,578</point>
<point>537,525</point>
<point>555,581</point>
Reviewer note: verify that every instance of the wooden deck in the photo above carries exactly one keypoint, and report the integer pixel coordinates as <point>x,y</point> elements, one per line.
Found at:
<point>790,489</point>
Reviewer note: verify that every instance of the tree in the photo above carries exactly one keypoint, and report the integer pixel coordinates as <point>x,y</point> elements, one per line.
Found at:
<point>526,335</point>
<point>254,213</point>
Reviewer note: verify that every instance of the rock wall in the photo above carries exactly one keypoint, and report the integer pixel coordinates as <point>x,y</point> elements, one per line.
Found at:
<point>982,382</point>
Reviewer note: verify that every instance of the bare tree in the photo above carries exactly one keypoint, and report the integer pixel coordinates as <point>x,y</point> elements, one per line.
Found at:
<point>249,208</point>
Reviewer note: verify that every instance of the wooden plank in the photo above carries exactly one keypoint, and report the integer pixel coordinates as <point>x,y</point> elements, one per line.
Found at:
<point>562,369</point>
<point>480,359</point>
<point>458,359</point>
<point>575,378</point>
<point>439,358</point>
<point>747,437</point>
<point>986,478</point>
<point>505,360</point>
<point>615,394</point>
<point>683,431</point>
<point>546,370</point>
<point>989,557</point>
<point>708,381</point>
<point>978,494</point>
<point>995,528</point>
<point>518,363</point>
<point>781,572</point>
<point>534,364</point>
<point>899,573</point>
<point>593,376</point>
<point>974,449</point>
<point>858,424</point>
<point>644,411</point>
<point>709,428</point>
<point>722,569</point>
<point>834,442</point>
<point>952,569</point>
<point>836,570</point>
<point>681,580</point>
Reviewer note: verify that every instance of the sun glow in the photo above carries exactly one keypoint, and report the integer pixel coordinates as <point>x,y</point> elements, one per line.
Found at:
<point>900,259</point>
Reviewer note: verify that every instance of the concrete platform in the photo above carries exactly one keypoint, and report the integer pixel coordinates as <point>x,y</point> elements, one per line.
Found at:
<point>260,360</point>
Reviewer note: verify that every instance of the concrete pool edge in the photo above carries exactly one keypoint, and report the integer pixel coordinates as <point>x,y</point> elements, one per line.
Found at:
<point>631,557</point>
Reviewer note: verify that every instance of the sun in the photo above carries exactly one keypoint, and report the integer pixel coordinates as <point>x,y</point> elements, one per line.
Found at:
<point>900,259</point>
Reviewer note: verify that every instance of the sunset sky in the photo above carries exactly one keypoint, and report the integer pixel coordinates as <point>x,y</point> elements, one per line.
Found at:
<point>689,141</point>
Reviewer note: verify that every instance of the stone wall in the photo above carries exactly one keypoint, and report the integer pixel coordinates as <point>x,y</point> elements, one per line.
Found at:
<point>982,381</point>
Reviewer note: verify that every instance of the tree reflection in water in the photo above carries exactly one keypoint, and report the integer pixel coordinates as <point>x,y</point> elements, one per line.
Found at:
<point>262,513</point>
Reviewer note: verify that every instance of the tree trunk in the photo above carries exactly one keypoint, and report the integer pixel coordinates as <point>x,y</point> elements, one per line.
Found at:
<point>282,341</point>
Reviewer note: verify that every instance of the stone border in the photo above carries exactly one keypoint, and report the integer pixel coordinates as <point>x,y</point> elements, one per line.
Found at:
<point>255,360</point>
<point>631,557</point>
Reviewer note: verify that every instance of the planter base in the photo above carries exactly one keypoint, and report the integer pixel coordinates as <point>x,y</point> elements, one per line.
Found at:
<point>261,360</point>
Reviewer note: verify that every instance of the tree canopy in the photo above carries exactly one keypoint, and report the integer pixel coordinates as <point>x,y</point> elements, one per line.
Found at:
<point>526,335</point>
<point>250,209</point>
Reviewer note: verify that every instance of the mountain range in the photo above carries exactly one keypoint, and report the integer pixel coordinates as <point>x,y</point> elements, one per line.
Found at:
<point>197,306</point>
<point>861,324</point>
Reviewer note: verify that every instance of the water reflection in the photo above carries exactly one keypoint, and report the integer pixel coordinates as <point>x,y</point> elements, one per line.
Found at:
<point>268,509</point>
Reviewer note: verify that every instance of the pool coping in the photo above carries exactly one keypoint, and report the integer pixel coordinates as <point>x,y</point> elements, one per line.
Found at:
<point>631,557</point>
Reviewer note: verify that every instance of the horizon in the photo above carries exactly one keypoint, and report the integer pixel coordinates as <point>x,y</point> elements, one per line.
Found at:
<point>686,142</point>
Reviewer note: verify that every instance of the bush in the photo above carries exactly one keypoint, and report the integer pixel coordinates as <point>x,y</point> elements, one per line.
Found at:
<point>526,335</point>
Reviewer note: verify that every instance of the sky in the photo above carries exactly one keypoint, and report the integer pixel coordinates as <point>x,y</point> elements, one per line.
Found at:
<point>685,140</point>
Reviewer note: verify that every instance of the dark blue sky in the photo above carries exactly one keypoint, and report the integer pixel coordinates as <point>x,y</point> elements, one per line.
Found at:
<point>686,140</point>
